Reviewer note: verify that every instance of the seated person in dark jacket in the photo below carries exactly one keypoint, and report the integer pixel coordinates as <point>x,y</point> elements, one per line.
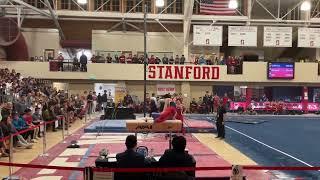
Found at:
<point>178,157</point>
<point>130,159</point>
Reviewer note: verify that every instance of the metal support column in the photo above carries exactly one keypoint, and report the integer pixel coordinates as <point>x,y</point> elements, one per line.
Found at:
<point>145,61</point>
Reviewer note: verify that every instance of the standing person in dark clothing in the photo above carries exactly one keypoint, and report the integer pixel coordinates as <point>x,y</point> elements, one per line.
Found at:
<point>60,62</point>
<point>178,157</point>
<point>135,59</point>
<point>99,100</point>
<point>221,117</point>
<point>128,101</point>
<point>83,62</point>
<point>153,107</point>
<point>165,59</point>
<point>206,101</point>
<point>90,102</point>
<point>104,99</point>
<point>131,159</point>
<point>182,59</point>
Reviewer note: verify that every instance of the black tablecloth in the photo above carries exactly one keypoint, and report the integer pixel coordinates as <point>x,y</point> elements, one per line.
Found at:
<point>119,113</point>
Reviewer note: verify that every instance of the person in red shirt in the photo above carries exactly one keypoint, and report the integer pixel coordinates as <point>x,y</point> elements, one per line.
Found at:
<point>151,60</point>
<point>129,59</point>
<point>216,100</point>
<point>225,100</point>
<point>122,59</point>
<point>168,114</point>
<point>179,115</point>
<point>60,59</point>
<point>27,117</point>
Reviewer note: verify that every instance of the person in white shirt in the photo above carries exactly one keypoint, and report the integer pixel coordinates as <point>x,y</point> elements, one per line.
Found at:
<point>153,97</point>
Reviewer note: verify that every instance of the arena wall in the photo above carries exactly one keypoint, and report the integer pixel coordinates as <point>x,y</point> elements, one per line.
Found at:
<point>38,40</point>
<point>253,72</point>
<point>133,41</point>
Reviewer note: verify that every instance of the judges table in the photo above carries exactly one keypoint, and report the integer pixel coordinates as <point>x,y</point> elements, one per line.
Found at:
<point>119,113</point>
<point>147,125</point>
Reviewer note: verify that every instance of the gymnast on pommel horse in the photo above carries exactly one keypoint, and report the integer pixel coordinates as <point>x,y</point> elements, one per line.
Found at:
<point>173,112</point>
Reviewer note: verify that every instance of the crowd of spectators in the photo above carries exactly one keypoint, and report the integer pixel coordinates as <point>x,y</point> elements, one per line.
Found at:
<point>209,103</point>
<point>136,59</point>
<point>26,102</point>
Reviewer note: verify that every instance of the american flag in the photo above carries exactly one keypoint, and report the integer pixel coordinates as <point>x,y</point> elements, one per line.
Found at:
<point>216,7</point>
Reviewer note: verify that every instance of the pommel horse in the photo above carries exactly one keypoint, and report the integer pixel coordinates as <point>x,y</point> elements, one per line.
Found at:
<point>143,125</point>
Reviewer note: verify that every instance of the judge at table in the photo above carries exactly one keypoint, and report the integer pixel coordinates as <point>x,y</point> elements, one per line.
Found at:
<point>178,157</point>
<point>131,159</point>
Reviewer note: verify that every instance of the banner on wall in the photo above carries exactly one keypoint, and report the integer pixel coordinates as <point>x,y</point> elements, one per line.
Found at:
<point>183,72</point>
<point>277,36</point>
<point>242,35</point>
<point>101,87</point>
<point>120,93</point>
<point>163,89</point>
<point>309,37</point>
<point>312,107</point>
<point>207,35</point>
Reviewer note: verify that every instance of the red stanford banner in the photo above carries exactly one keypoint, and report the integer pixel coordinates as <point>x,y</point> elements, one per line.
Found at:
<point>182,72</point>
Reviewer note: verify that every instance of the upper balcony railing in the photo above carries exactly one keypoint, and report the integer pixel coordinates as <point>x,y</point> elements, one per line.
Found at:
<point>132,6</point>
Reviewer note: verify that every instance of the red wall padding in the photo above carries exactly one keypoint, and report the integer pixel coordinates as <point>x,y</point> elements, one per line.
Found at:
<point>18,51</point>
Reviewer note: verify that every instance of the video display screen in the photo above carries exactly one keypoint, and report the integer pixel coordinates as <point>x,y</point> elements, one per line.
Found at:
<point>280,70</point>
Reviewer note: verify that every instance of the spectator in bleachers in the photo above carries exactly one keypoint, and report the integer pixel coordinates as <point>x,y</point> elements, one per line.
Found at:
<point>122,58</point>
<point>196,60</point>
<point>19,124</point>
<point>151,60</point>
<point>131,159</point>
<point>178,157</point>
<point>171,60</point>
<point>37,117</point>
<point>165,59</point>
<point>116,59</point>
<point>20,105</point>
<point>27,117</point>
<point>141,59</point>
<point>135,59</point>
<point>182,59</point>
<point>208,61</point>
<point>158,60</point>
<point>109,58</point>
<point>129,59</point>
<point>202,61</point>
<point>95,59</point>
<point>177,60</point>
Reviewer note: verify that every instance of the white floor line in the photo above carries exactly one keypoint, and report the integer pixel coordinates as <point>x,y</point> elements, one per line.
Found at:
<point>275,149</point>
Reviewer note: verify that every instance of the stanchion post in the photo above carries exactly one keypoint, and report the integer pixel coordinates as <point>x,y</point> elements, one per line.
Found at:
<point>44,140</point>
<point>68,123</point>
<point>63,127</point>
<point>11,177</point>
<point>10,156</point>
